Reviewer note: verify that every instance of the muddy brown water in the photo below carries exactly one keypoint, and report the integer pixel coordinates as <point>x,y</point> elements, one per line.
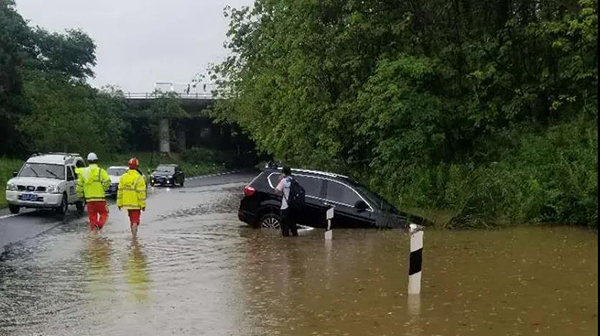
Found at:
<point>196,270</point>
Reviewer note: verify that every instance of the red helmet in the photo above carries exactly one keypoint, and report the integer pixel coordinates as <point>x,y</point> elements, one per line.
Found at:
<point>133,163</point>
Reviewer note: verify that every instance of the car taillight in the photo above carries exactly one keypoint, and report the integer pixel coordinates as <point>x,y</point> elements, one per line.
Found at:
<point>249,191</point>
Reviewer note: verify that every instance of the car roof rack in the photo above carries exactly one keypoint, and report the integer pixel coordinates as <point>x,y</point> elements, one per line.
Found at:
<point>299,170</point>
<point>62,153</point>
<point>320,173</point>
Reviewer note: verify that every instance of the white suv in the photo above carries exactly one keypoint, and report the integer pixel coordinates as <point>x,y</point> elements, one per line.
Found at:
<point>46,181</point>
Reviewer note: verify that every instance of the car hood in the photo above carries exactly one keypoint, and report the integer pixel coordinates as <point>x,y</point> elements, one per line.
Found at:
<point>34,181</point>
<point>114,179</point>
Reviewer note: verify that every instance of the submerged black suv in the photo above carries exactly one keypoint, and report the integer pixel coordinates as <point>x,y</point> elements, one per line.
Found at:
<point>355,206</point>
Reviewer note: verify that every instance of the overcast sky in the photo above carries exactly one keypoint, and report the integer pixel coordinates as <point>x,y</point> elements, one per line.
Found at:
<point>140,42</point>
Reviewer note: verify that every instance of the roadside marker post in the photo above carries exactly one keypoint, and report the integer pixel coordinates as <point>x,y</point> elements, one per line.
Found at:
<point>329,244</point>
<point>329,231</point>
<point>416,259</point>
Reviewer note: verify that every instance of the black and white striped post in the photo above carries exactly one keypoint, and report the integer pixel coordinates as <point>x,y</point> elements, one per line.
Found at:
<point>329,231</point>
<point>416,259</point>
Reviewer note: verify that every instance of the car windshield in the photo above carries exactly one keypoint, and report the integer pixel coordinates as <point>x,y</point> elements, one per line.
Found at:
<point>116,171</point>
<point>377,201</point>
<point>43,170</point>
<point>165,169</point>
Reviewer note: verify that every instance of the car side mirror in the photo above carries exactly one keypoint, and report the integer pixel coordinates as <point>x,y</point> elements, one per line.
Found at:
<point>361,205</point>
<point>15,174</point>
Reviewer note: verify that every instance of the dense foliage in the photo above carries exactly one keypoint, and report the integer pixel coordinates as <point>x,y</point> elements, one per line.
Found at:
<point>484,107</point>
<point>45,103</point>
<point>12,54</point>
<point>71,117</point>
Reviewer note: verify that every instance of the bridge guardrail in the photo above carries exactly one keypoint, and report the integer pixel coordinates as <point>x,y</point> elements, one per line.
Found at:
<point>154,95</point>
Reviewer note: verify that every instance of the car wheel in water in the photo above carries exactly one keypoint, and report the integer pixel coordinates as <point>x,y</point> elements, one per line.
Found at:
<point>270,221</point>
<point>80,207</point>
<point>14,209</point>
<point>64,206</point>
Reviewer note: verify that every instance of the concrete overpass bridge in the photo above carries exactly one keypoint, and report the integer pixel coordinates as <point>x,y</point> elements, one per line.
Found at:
<point>195,100</point>
<point>182,133</point>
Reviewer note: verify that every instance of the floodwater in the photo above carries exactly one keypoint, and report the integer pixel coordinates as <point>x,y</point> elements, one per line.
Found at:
<point>196,270</point>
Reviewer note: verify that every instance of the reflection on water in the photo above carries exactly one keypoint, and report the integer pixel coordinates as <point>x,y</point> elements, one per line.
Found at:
<point>205,274</point>
<point>97,260</point>
<point>137,273</point>
<point>414,325</point>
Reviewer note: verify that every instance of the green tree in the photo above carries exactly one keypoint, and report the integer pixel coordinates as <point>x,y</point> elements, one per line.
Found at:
<point>71,54</point>
<point>31,58</point>
<point>14,33</point>
<point>71,116</point>
<point>413,97</point>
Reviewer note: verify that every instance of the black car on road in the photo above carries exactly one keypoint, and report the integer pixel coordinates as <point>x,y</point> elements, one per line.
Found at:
<point>354,205</point>
<point>167,175</point>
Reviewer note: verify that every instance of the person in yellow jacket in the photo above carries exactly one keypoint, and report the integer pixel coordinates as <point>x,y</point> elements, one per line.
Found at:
<point>131,194</point>
<point>92,183</point>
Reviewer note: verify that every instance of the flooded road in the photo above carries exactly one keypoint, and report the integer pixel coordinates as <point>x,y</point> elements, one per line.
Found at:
<point>196,270</point>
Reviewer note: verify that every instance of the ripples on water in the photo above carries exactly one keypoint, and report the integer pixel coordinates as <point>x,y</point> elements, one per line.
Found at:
<point>196,270</point>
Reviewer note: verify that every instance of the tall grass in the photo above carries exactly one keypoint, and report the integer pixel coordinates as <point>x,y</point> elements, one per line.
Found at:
<point>534,177</point>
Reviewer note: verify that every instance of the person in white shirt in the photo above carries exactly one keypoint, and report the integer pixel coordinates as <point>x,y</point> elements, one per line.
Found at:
<point>287,216</point>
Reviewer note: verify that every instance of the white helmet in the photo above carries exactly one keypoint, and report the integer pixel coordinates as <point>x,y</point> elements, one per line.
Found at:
<point>92,157</point>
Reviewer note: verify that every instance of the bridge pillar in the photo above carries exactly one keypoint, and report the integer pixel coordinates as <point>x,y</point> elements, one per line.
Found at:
<point>181,138</point>
<point>163,134</point>
<point>226,135</point>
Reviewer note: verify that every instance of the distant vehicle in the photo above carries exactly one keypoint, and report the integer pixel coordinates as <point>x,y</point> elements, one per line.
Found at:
<point>355,205</point>
<point>167,175</point>
<point>46,181</point>
<point>115,173</point>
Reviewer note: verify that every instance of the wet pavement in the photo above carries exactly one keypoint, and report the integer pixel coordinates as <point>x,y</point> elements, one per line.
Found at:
<point>196,270</point>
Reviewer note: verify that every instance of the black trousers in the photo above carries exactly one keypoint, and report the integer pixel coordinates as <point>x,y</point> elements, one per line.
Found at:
<point>288,224</point>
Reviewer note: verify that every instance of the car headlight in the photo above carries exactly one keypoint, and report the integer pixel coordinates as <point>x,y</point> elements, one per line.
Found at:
<point>11,187</point>
<point>53,190</point>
